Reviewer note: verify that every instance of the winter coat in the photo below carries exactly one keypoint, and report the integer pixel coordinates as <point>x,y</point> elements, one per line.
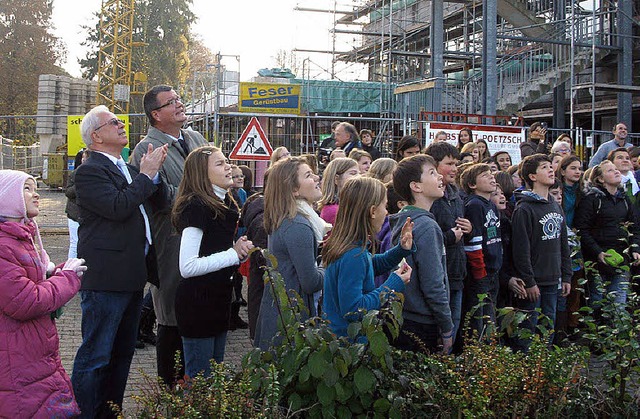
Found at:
<point>33,383</point>
<point>599,217</point>
<point>166,239</point>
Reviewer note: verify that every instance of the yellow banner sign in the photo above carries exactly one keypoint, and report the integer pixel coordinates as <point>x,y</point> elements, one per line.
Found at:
<point>74,138</point>
<point>270,98</point>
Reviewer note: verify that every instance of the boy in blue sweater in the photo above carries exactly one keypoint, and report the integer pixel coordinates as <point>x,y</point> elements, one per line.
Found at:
<point>426,309</point>
<point>541,255</point>
<point>483,246</point>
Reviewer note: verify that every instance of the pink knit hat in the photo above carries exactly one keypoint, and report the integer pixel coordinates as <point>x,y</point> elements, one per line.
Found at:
<point>12,203</point>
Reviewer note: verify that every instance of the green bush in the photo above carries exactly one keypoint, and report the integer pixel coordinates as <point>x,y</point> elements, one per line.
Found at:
<point>314,373</point>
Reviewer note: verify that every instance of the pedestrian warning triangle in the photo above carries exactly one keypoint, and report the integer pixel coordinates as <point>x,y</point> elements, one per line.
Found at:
<point>253,144</point>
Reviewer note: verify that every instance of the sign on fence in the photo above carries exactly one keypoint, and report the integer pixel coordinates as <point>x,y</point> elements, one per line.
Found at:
<point>497,137</point>
<point>270,98</point>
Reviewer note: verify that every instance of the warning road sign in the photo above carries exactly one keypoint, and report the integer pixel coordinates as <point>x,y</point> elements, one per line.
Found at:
<point>253,144</point>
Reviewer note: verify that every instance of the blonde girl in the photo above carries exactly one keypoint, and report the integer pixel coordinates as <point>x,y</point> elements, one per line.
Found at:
<point>295,231</point>
<point>337,172</point>
<point>363,158</point>
<point>382,169</point>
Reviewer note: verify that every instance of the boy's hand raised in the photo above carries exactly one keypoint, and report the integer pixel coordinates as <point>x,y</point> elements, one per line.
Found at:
<point>406,235</point>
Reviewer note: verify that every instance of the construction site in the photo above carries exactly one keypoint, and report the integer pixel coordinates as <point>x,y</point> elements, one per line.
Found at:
<point>568,63</point>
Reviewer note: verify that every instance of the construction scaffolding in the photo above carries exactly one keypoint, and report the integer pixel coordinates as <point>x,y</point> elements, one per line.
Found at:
<point>567,62</point>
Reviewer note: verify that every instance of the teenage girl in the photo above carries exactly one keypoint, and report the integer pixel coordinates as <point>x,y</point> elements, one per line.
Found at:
<point>206,216</point>
<point>295,231</point>
<point>335,175</point>
<point>464,136</point>
<point>350,259</point>
<point>599,218</point>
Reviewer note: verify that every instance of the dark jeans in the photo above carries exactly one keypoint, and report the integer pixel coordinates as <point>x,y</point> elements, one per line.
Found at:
<point>426,333</point>
<point>168,343</point>
<point>455,304</point>
<point>101,366</point>
<point>547,303</point>
<point>486,313</point>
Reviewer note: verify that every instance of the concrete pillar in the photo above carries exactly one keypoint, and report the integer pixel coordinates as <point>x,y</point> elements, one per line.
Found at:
<point>489,57</point>
<point>436,39</point>
<point>625,60</point>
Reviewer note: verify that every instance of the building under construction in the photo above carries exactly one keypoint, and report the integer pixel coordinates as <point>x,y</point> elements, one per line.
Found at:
<point>570,63</point>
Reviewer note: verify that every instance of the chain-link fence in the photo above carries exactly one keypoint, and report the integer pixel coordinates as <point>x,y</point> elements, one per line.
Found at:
<point>46,155</point>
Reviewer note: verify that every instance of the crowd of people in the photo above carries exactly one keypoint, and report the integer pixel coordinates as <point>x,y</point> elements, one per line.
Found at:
<point>458,231</point>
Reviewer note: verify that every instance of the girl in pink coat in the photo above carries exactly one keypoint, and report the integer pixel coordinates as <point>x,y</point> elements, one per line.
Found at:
<point>33,383</point>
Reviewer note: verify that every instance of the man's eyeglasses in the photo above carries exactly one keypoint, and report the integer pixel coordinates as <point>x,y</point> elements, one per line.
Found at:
<point>169,103</point>
<point>114,121</point>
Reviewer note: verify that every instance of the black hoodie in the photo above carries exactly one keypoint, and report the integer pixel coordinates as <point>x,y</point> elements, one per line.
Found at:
<point>541,254</point>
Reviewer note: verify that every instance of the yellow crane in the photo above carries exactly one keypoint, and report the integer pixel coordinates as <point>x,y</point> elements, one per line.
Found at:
<point>116,82</point>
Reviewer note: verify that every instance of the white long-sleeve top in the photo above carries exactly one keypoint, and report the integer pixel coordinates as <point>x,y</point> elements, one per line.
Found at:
<point>191,264</point>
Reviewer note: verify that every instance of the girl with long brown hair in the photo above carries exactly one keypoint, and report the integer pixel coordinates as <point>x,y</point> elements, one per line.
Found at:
<point>349,254</point>
<point>206,216</point>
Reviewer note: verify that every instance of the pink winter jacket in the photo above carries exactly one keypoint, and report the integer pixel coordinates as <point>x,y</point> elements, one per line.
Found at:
<point>33,383</point>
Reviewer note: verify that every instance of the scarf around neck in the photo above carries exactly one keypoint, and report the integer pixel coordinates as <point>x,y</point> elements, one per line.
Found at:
<point>320,227</point>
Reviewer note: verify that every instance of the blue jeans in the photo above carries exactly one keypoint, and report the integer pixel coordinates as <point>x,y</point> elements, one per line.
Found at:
<point>547,303</point>
<point>487,312</point>
<point>198,353</point>
<point>614,285</point>
<point>455,304</point>
<point>109,332</point>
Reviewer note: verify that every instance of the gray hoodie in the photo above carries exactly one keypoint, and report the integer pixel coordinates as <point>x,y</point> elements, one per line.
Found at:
<point>427,293</point>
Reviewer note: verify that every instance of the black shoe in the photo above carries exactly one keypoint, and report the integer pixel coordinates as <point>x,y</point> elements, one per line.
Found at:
<point>149,338</point>
<point>237,323</point>
<point>243,302</point>
<point>139,344</point>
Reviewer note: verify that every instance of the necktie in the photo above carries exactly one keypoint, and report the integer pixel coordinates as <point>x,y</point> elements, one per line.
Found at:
<point>184,146</point>
<point>125,171</point>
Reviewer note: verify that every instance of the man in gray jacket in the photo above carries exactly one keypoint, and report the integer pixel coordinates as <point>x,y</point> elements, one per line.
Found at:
<point>166,115</point>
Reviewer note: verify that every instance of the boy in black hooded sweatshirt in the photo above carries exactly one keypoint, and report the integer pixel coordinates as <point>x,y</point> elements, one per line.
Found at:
<point>541,255</point>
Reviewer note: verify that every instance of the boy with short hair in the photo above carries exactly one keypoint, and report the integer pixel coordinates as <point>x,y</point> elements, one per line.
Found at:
<point>541,253</point>
<point>426,309</point>
<point>449,214</point>
<point>483,246</point>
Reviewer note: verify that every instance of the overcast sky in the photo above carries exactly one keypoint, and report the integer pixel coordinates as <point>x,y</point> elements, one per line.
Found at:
<point>253,29</point>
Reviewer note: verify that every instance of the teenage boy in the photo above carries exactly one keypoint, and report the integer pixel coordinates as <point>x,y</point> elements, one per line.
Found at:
<point>540,248</point>
<point>483,246</point>
<point>448,212</point>
<point>426,309</point>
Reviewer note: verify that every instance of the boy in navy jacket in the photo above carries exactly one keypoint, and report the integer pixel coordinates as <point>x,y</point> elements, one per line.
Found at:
<point>483,246</point>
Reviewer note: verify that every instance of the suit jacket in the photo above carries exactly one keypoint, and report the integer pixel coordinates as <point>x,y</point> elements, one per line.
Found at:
<point>111,237</point>
<point>166,239</point>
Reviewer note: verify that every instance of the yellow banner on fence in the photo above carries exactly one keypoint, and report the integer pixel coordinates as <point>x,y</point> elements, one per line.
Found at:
<point>270,98</point>
<point>74,138</point>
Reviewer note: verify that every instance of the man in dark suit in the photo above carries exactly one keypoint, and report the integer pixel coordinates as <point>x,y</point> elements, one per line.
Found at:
<point>114,238</point>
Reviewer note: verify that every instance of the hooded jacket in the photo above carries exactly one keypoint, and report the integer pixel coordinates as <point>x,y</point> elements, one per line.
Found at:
<point>446,210</point>
<point>427,293</point>
<point>599,217</point>
<point>540,248</point>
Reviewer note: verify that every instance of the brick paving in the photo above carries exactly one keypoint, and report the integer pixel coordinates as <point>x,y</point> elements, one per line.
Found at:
<point>53,226</point>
